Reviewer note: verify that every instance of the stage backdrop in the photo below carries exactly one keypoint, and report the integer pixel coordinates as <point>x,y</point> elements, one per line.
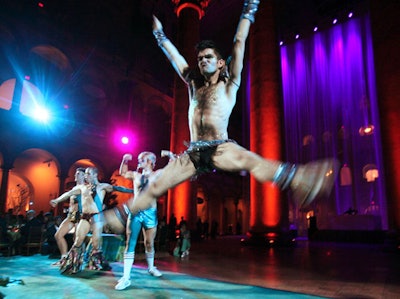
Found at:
<point>330,110</point>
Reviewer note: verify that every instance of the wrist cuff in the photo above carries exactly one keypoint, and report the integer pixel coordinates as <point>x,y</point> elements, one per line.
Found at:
<point>160,37</point>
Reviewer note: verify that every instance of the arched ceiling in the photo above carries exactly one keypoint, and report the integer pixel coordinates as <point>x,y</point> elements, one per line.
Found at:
<point>104,49</point>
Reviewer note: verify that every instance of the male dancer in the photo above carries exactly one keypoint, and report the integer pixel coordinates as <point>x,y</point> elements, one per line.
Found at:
<point>92,195</point>
<point>74,211</point>
<point>212,96</point>
<point>145,220</point>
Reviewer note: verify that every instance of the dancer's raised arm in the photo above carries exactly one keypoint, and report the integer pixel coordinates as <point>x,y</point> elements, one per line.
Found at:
<point>177,60</point>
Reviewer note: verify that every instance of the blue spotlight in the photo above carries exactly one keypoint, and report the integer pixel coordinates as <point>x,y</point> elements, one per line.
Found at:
<point>41,114</point>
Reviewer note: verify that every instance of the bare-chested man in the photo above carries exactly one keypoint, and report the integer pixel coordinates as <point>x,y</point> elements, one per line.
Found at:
<point>74,212</point>
<point>212,96</point>
<point>92,197</point>
<point>145,220</point>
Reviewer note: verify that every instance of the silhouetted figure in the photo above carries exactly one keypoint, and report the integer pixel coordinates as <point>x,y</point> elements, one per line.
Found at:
<point>183,243</point>
<point>199,229</point>
<point>182,222</point>
<point>206,227</point>
<point>214,229</point>
<point>173,222</point>
<point>351,211</point>
<point>238,228</point>
<point>31,220</point>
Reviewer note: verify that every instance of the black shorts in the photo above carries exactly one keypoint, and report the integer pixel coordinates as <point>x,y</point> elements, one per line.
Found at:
<point>201,153</point>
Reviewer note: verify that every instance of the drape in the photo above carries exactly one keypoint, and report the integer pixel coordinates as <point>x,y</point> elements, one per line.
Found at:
<point>330,110</point>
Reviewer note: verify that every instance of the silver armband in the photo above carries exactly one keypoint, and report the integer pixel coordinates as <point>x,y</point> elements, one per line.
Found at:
<point>250,8</point>
<point>160,37</point>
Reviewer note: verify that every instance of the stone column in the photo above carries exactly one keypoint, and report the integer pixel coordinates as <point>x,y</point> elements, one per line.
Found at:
<point>16,100</point>
<point>63,175</point>
<point>265,111</point>
<point>182,199</point>
<point>4,184</point>
<point>385,22</point>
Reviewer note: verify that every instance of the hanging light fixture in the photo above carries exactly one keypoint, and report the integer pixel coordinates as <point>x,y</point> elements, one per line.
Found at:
<point>366,130</point>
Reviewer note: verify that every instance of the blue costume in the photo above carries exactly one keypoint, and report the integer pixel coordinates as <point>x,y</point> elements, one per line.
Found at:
<point>147,218</point>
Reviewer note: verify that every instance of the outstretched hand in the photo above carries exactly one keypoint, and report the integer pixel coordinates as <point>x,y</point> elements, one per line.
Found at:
<point>156,24</point>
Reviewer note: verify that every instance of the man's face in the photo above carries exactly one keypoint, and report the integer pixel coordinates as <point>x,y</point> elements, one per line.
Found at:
<point>30,216</point>
<point>208,62</point>
<point>79,176</point>
<point>143,161</point>
<point>89,176</point>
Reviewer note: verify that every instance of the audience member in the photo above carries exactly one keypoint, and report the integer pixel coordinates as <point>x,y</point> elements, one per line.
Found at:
<point>31,221</point>
<point>50,244</point>
<point>206,228</point>
<point>3,229</point>
<point>183,243</point>
<point>214,229</point>
<point>172,226</point>
<point>199,229</point>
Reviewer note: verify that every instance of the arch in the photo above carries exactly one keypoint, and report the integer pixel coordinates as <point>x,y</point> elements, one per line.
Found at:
<point>40,171</point>
<point>6,93</point>
<point>20,195</point>
<point>70,179</point>
<point>159,103</point>
<point>31,98</point>
<point>52,55</point>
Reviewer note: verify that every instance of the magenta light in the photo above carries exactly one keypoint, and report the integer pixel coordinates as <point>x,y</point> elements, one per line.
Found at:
<point>350,14</point>
<point>334,21</point>
<point>297,36</point>
<point>125,140</point>
<point>315,29</point>
<point>281,43</point>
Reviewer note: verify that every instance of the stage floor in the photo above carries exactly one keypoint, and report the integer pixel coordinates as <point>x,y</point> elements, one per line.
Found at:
<point>223,268</point>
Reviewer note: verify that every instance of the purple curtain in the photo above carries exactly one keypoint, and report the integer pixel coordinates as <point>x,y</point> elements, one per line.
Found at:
<point>329,101</point>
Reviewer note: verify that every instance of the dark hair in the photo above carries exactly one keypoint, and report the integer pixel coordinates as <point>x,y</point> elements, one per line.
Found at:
<point>208,44</point>
<point>93,170</point>
<point>81,169</point>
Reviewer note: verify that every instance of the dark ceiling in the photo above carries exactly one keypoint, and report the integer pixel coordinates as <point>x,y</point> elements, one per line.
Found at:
<point>122,28</point>
<point>109,46</point>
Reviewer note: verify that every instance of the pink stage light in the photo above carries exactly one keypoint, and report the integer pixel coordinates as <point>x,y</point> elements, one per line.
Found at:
<point>124,140</point>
